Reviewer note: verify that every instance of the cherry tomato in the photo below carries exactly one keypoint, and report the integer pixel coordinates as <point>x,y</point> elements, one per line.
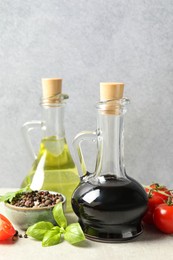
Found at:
<point>6,228</point>
<point>158,187</point>
<point>163,218</point>
<point>156,196</point>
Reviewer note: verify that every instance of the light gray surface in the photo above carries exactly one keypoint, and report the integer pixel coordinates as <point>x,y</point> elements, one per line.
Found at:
<point>151,244</point>
<point>86,42</point>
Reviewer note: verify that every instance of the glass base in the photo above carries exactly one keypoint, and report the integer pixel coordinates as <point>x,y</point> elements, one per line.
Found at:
<point>111,233</point>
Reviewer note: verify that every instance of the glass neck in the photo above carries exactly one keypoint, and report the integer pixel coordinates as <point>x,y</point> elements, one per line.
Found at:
<point>53,117</point>
<point>110,129</point>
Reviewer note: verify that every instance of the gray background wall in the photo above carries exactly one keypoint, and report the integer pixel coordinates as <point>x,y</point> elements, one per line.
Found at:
<point>85,42</point>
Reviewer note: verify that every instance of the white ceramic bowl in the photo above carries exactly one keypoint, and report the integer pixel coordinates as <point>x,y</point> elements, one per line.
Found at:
<point>24,217</point>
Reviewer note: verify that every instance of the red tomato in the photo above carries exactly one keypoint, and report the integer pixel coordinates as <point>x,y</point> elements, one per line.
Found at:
<point>163,218</point>
<point>158,187</point>
<point>156,196</point>
<point>6,228</point>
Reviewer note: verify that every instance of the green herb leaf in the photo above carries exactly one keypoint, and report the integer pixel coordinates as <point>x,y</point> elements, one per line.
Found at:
<point>10,195</point>
<point>39,229</point>
<point>74,234</point>
<point>51,237</point>
<point>58,229</point>
<point>59,215</point>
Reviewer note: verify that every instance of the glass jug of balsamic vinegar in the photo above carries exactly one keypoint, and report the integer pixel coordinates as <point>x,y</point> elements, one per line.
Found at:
<point>109,204</point>
<point>53,168</point>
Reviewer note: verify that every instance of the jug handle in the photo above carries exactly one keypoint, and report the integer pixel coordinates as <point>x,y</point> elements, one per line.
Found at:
<point>26,128</point>
<point>78,155</point>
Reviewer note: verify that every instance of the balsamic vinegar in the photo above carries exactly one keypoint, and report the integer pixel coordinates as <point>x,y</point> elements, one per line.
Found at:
<point>109,210</point>
<point>109,204</point>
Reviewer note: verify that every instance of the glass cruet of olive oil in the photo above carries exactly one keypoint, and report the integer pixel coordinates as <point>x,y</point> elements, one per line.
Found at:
<point>109,204</point>
<point>53,167</point>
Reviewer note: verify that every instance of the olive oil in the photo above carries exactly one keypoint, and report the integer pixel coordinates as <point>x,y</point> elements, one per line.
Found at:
<point>54,169</point>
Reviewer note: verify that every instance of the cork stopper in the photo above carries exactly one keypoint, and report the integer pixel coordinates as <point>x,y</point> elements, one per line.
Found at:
<point>51,88</point>
<point>112,92</point>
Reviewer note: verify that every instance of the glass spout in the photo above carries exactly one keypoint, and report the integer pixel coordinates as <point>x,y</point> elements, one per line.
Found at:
<point>54,100</point>
<point>110,129</point>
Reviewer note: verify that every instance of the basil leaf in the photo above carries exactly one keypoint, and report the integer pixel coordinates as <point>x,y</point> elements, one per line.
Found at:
<point>39,229</point>
<point>74,234</point>
<point>56,228</point>
<point>10,195</point>
<point>59,215</point>
<point>51,237</point>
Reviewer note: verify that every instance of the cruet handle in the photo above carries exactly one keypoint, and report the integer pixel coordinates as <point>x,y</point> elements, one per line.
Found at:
<point>26,128</point>
<point>79,159</point>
